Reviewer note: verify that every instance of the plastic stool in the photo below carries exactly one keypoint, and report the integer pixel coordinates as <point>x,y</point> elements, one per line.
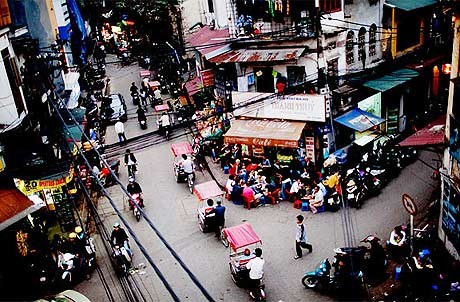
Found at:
<point>226,168</point>
<point>237,202</point>
<point>305,206</point>
<point>321,209</point>
<point>297,204</point>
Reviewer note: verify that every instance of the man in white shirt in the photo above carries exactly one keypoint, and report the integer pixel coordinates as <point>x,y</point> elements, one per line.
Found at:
<point>187,164</point>
<point>120,130</point>
<point>157,94</point>
<point>256,272</point>
<point>296,186</point>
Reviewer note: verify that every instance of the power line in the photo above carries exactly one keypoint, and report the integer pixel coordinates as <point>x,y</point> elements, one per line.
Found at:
<point>149,222</point>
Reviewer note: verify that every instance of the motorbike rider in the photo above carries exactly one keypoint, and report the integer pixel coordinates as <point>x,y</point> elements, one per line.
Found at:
<point>219,211</point>
<point>120,238</point>
<point>141,114</point>
<point>397,245</point>
<point>256,272</point>
<point>134,188</point>
<point>134,90</point>
<point>130,161</point>
<point>187,165</point>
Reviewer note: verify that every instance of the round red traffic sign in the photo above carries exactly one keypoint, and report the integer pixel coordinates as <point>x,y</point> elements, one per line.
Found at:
<point>409,204</point>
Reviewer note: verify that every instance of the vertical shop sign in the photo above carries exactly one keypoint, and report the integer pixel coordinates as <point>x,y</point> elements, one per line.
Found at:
<point>310,147</point>
<point>207,78</point>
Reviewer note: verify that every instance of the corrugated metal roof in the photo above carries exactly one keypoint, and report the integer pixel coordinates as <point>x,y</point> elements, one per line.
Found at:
<point>206,36</point>
<point>433,134</point>
<point>409,5</point>
<point>259,55</point>
<point>391,80</point>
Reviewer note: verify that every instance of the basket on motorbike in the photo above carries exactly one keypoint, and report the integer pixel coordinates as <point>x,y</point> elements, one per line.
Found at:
<point>205,191</point>
<point>242,240</point>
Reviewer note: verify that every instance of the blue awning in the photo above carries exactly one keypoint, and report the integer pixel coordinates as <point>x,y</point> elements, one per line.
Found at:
<point>359,120</point>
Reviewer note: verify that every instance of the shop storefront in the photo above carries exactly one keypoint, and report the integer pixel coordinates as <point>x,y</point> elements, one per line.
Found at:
<point>309,110</point>
<point>55,191</point>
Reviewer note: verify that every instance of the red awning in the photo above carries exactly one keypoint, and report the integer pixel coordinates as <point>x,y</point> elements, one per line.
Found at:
<point>192,86</point>
<point>14,206</point>
<point>206,36</point>
<point>181,148</point>
<point>433,134</point>
<point>207,190</point>
<point>241,235</point>
<point>258,55</point>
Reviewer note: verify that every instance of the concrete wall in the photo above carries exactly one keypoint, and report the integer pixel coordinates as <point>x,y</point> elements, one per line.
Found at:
<point>363,14</point>
<point>8,111</point>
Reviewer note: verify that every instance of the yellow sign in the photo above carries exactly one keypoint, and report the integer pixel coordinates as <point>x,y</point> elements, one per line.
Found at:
<point>32,186</point>
<point>21,241</point>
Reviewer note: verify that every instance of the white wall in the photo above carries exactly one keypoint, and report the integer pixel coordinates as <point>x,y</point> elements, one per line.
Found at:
<point>8,112</point>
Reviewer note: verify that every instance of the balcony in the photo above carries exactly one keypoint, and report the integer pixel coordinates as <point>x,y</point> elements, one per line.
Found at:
<point>291,19</point>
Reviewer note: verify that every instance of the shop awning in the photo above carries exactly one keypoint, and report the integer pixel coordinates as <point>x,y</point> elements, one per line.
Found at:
<point>207,40</point>
<point>193,86</point>
<point>265,133</point>
<point>433,134</point>
<point>258,55</point>
<point>359,120</point>
<point>392,80</point>
<point>410,5</point>
<point>14,206</point>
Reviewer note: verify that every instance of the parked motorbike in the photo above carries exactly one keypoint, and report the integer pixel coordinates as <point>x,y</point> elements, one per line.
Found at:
<point>132,171</point>
<point>333,202</point>
<point>347,277</point>
<point>408,155</point>
<point>375,258</point>
<point>355,193</point>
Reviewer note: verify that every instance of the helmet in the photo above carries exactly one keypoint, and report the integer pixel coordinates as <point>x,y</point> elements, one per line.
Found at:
<point>78,229</point>
<point>219,200</point>
<point>72,235</point>
<point>131,179</point>
<point>116,225</point>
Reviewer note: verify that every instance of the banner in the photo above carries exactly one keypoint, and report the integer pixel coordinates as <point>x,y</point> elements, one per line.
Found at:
<point>31,186</point>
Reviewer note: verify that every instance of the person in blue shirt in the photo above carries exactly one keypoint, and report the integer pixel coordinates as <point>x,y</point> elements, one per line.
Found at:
<point>219,211</point>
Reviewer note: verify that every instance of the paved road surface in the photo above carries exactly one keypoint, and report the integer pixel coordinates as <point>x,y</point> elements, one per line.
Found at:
<point>173,210</point>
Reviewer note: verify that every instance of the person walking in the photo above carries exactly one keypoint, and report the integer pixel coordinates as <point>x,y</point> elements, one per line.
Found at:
<point>301,238</point>
<point>256,272</point>
<point>120,130</point>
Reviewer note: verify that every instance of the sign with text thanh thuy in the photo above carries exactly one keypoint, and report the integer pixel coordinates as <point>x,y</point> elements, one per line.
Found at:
<point>298,107</point>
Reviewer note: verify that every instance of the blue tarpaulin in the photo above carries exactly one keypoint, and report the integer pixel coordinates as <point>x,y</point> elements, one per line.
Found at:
<point>78,35</point>
<point>359,120</point>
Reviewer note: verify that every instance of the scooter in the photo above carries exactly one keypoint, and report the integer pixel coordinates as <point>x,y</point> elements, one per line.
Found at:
<point>347,272</point>
<point>134,203</point>
<point>143,124</point>
<point>333,202</point>
<point>136,98</point>
<point>123,259</point>
<point>354,195</point>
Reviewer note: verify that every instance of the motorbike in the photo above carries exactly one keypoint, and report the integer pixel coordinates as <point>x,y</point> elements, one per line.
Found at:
<point>347,277</point>
<point>355,193</point>
<point>135,202</point>
<point>143,124</point>
<point>132,171</point>
<point>408,155</point>
<point>136,98</point>
<point>333,202</point>
<point>123,260</point>
<point>375,258</point>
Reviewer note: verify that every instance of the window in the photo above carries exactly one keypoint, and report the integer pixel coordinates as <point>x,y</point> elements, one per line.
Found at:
<point>331,6</point>
<point>362,44</point>
<point>372,40</point>
<point>333,73</point>
<point>349,47</point>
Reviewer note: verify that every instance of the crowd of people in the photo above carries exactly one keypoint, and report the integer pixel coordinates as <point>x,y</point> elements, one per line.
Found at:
<point>259,181</point>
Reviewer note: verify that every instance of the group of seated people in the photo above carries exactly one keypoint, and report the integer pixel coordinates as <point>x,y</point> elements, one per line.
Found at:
<point>253,185</point>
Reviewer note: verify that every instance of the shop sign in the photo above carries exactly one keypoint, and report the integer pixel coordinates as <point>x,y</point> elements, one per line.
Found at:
<point>451,213</point>
<point>372,104</point>
<point>310,147</point>
<point>207,77</point>
<point>300,107</point>
<point>32,186</point>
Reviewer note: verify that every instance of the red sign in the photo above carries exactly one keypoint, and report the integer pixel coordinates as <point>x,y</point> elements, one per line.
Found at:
<point>207,77</point>
<point>409,204</point>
